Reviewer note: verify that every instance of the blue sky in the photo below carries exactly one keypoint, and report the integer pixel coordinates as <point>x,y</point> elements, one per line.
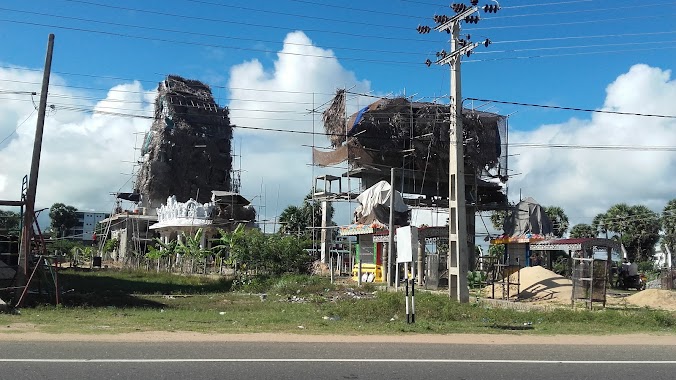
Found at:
<point>554,52</point>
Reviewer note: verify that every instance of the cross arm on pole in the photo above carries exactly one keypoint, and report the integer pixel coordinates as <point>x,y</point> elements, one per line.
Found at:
<point>448,25</point>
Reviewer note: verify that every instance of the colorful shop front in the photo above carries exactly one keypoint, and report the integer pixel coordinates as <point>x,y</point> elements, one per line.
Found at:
<point>517,251</point>
<point>371,246</point>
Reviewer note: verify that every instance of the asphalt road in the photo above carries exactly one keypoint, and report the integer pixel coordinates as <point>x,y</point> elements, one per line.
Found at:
<point>257,360</point>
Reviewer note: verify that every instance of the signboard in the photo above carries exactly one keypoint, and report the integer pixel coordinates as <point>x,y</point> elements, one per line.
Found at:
<point>407,244</point>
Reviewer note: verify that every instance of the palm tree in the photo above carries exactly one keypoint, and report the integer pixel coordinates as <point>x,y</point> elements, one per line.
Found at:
<point>559,220</point>
<point>583,231</point>
<point>669,224</point>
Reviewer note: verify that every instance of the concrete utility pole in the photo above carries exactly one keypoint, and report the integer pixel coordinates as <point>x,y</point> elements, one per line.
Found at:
<point>35,163</point>
<point>389,258</point>
<point>458,243</point>
<point>325,234</point>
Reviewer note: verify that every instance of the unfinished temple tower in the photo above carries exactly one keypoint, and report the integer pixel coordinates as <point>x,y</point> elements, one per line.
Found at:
<point>414,138</point>
<point>187,152</point>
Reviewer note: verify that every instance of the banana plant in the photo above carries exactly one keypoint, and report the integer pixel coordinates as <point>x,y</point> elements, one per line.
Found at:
<point>230,243</point>
<point>191,246</point>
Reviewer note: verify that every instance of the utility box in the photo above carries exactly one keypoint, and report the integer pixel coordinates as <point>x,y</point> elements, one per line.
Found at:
<point>407,244</point>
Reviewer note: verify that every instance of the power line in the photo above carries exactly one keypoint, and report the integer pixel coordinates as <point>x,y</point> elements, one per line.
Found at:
<point>575,22</point>
<point>632,7</point>
<point>573,47</point>
<point>357,59</point>
<point>513,6</point>
<point>570,54</point>
<point>643,148</point>
<point>545,4</point>
<point>584,37</point>
<point>370,50</point>
<point>513,145</point>
<point>193,43</point>
<point>357,9</point>
<point>231,22</point>
<point>320,18</point>
<point>108,89</point>
<point>572,108</point>
<point>17,127</point>
<point>184,32</point>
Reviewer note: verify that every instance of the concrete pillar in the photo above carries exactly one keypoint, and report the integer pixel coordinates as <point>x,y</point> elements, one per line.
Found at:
<point>421,260</point>
<point>326,234</point>
<point>203,240</point>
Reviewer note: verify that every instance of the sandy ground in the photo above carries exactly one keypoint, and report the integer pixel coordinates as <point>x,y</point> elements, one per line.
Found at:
<point>22,333</point>
<point>654,298</point>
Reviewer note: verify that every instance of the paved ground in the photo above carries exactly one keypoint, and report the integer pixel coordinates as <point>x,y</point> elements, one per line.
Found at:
<point>285,356</point>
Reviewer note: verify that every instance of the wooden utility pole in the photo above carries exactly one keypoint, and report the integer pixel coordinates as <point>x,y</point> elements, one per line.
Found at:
<point>27,234</point>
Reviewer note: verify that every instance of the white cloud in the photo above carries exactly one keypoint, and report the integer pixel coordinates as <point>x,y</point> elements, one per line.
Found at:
<point>587,182</point>
<point>82,152</point>
<point>280,97</point>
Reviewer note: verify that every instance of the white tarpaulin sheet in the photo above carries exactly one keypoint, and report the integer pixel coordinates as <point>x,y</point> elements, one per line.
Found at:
<point>375,200</point>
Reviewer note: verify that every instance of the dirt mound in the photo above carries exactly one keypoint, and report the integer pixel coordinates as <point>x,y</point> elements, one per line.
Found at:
<point>536,284</point>
<point>655,299</point>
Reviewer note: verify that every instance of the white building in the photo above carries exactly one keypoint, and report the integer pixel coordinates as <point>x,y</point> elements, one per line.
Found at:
<point>86,225</point>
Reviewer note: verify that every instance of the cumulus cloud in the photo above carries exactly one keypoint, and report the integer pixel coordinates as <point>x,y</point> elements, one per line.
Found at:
<point>84,143</point>
<point>586,182</point>
<point>281,97</point>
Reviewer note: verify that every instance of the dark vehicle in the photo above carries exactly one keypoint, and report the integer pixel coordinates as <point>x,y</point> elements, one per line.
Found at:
<point>627,282</point>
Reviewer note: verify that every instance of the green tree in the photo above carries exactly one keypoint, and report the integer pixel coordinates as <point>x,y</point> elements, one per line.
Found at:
<point>498,219</point>
<point>267,255</point>
<point>296,220</point>
<point>63,218</point>
<point>583,231</point>
<point>669,225</point>
<point>559,220</point>
<point>292,220</point>
<point>9,222</point>
<point>636,227</point>
<point>496,250</point>
<point>599,225</point>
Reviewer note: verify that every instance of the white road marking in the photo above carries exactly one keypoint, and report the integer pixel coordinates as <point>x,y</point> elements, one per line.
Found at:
<point>333,360</point>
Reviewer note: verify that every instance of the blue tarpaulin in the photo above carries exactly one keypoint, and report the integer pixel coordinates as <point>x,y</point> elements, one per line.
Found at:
<point>357,119</point>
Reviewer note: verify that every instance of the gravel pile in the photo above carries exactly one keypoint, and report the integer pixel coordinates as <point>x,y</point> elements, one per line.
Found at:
<point>654,284</point>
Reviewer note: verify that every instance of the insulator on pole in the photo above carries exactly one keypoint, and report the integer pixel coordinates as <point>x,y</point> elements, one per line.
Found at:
<point>491,8</point>
<point>457,8</point>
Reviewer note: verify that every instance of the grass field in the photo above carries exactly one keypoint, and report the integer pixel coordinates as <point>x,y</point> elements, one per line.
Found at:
<point>111,301</point>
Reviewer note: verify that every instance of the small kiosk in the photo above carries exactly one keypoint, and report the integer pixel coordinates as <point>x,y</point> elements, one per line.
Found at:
<point>371,241</point>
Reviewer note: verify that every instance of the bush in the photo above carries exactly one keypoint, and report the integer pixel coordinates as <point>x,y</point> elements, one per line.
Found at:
<point>560,266</point>
<point>111,245</point>
<point>476,278</point>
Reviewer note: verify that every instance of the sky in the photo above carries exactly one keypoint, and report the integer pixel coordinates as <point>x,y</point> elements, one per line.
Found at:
<point>272,63</point>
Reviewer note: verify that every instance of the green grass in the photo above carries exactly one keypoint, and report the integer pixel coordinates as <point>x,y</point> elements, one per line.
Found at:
<point>110,301</point>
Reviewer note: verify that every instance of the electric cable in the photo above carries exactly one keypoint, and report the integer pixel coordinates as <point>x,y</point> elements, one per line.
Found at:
<point>572,108</point>
<point>17,127</point>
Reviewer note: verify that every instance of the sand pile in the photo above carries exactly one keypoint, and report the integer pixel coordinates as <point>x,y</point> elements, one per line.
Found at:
<point>655,299</point>
<point>537,284</point>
